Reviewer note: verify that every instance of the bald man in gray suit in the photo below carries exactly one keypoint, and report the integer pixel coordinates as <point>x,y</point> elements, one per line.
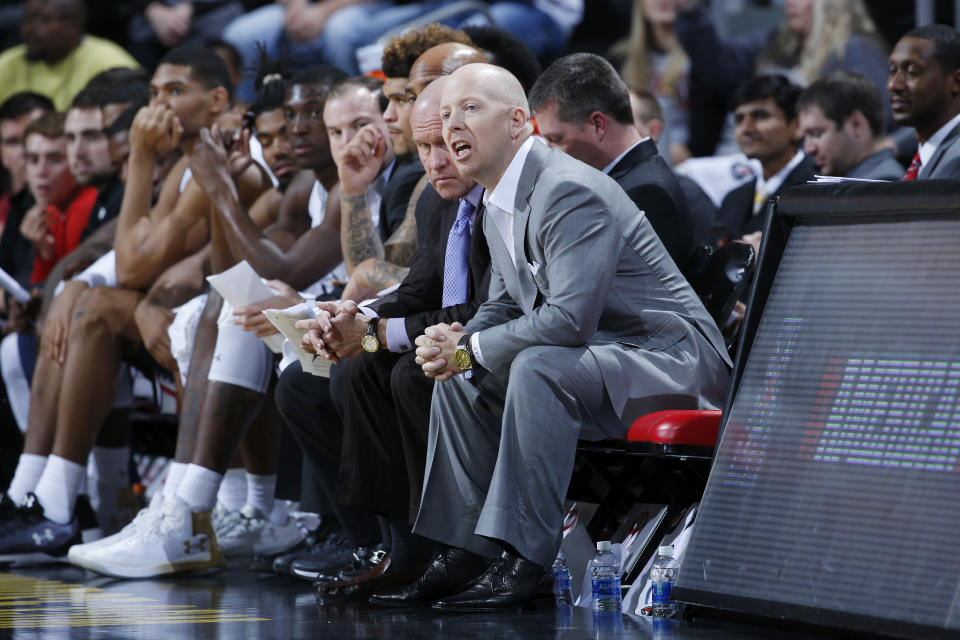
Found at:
<point>588,325</point>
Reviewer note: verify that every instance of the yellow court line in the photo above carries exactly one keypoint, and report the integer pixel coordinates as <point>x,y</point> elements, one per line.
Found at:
<point>37,603</point>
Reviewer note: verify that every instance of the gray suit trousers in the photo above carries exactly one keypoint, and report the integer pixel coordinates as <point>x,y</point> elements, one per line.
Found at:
<point>500,452</point>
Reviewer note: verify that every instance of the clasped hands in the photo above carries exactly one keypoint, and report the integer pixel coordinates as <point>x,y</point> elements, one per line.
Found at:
<point>338,328</point>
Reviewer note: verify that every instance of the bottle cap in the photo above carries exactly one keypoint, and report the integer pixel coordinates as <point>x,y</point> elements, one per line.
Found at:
<point>604,545</point>
<point>666,550</point>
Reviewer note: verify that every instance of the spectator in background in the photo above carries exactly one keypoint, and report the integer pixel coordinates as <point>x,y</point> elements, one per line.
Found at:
<point>924,88</point>
<point>333,30</point>
<point>654,61</point>
<point>159,25</point>
<point>329,31</point>
<point>57,58</point>
<point>583,108</point>
<point>649,120</point>
<point>815,38</point>
<point>765,119</point>
<point>841,121</point>
<point>63,206</point>
<point>16,113</point>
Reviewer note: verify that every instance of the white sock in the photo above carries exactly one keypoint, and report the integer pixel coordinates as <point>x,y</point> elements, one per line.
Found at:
<point>174,476</point>
<point>260,490</point>
<point>29,469</point>
<point>198,488</point>
<point>58,487</point>
<point>233,489</point>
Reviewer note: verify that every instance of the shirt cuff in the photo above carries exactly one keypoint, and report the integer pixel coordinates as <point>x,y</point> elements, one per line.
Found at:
<point>477,353</point>
<point>397,338</point>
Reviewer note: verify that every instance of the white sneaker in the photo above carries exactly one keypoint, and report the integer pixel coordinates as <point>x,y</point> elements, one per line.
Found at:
<point>248,531</point>
<point>79,554</point>
<point>176,542</point>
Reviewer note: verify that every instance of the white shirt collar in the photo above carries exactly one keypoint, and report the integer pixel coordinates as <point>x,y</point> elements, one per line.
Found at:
<point>504,195</point>
<point>928,147</point>
<point>616,161</point>
<point>770,186</point>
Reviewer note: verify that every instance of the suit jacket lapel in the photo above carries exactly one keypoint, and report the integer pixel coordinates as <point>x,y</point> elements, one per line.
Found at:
<point>640,152</point>
<point>521,216</point>
<point>941,149</point>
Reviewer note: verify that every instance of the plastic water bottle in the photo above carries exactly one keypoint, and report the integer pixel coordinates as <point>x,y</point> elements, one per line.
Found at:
<point>605,571</point>
<point>561,577</point>
<point>663,575</point>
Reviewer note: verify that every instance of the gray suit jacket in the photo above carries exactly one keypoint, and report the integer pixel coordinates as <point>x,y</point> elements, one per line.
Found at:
<point>590,270</point>
<point>945,161</point>
<point>882,165</point>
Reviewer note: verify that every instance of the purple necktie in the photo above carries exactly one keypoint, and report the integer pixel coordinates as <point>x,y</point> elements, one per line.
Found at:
<point>457,258</point>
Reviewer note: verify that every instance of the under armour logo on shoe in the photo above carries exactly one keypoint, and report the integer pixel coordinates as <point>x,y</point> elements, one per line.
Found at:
<point>189,547</point>
<point>39,539</point>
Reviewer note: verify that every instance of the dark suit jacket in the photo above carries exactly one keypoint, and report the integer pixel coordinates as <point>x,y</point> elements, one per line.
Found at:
<point>703,213</point>
<point>650,183</point>
<point>736,210</point>
<point>419,296</point>
<point>393,207</point>
<point>882,165</point>
<point>945,161</point>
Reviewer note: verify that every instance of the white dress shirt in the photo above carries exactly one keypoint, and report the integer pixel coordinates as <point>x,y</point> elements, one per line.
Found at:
<point>927,148</point>
<point>499,206</point>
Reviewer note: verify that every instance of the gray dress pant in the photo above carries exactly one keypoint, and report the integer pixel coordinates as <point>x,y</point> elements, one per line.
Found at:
<point>500,452</point>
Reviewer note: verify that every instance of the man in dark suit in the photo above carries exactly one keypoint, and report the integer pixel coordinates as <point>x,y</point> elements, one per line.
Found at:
<point>841,120</point>
<point>924,88</point>
<point>582,107</point>
<point>765,127</point>
<point>385,397</point>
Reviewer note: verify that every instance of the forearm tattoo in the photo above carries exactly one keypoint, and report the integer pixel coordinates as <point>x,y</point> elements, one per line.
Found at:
<point>359,238</point>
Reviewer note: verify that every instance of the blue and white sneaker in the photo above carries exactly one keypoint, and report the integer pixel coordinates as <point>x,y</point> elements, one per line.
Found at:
<point>28,537</point>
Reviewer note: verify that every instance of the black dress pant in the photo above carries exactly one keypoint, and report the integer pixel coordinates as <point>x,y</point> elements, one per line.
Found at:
<point>386,409</point>
<point>306,404</point>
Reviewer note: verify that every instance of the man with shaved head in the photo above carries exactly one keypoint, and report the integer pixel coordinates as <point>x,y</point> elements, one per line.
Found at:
<point>588,325</point>
<point>386,399</point>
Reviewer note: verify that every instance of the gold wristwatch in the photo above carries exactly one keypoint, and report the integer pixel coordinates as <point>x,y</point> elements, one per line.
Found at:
<point>463,356</point>
<point>369,340</point>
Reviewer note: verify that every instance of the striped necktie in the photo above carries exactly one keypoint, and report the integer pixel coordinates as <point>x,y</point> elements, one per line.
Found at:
<point>913,169</point>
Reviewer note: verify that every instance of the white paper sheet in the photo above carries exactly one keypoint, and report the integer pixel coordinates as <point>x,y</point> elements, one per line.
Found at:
<point>284,320</point>
<point>10,283</point>
<point>240,285</point>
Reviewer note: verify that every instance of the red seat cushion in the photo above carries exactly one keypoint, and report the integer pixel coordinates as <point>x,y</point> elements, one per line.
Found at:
<point>684,427</point>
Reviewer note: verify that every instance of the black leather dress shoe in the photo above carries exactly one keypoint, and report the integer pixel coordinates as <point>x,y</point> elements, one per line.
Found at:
<point>511,583</point>
<point>450,571</point>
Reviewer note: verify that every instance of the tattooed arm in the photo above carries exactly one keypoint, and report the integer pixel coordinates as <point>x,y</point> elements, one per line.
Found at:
<point>371,276</point>
<point>359,164</point>
<point>400,247</point>
<point>359,238</point>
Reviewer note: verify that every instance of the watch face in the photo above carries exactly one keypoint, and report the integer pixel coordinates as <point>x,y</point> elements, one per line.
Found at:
<point>370,344</point>
<point>463,359</point>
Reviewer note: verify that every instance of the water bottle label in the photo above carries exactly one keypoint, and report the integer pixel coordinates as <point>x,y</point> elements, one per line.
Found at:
<point>606,590</point>
<point>661,592</point>
<point>562,579</point>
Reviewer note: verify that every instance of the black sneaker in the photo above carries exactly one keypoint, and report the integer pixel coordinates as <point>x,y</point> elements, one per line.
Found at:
<point>325,540</point>
<point>29,538</point>
<point>361,560</point>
